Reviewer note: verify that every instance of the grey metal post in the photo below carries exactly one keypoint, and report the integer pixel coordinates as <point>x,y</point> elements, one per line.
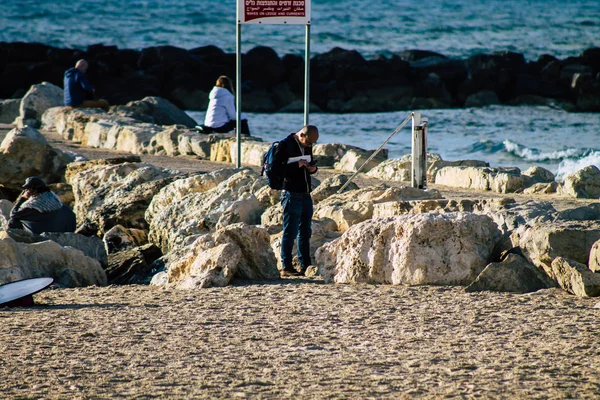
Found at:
<point>419,152</point>
<point>238,93</point>
<point>307,75</point>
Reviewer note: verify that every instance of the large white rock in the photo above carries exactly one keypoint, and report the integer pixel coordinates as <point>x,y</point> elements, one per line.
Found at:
<point>214,259</point>
<point>355,206</point>
<point>69,267</point>
<point>198,212</point>
<point>180,188</point>
<point>542,242</point>
<point>576,278</point>
<point>328,154</point>
<point>90,246</point>
<point>157,110</point>
<point>36,101</point>
<point>331,186</point>
<point>412,249</point>
<point>110,195</point>
<point>25,152</point>
<point>501,180</point>
<point>356,158</point>
<point>584,184</point>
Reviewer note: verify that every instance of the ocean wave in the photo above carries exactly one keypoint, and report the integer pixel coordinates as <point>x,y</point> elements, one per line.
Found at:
<point>525,153</point>
<point>532,154</point>
<point>567,167</point>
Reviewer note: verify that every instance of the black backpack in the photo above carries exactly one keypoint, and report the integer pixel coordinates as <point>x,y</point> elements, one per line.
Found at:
<point>272,171</point>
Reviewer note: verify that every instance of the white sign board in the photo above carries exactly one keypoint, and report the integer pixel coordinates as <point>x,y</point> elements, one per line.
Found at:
<point>273,12</point>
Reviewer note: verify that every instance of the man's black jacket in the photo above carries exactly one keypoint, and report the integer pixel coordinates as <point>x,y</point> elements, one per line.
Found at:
<point>297,180</point>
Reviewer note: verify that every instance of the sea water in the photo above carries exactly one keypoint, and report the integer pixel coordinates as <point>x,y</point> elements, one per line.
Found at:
<point>501,135</point>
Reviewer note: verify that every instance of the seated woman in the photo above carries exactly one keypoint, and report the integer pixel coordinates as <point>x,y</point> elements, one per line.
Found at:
<point>220,115</point>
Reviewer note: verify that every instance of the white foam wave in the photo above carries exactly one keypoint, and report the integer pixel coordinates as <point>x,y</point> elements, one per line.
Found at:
<point>567,167</point>
<point>534,155</point>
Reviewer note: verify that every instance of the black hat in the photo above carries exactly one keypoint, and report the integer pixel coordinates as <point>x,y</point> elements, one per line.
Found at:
<point>34,183</point>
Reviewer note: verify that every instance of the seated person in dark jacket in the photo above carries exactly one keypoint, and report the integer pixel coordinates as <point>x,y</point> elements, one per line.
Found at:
<point>38,210</point>
<point>79,92</point>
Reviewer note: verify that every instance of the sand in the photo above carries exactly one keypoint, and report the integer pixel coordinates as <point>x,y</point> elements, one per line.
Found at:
<point>299,338</point>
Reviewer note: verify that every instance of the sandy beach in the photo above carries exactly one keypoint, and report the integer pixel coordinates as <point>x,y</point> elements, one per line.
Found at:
<point>299,338</point>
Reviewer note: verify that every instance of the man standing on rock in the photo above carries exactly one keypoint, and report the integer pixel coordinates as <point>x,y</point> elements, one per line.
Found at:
<point>295,153</point>
<point>79,92</point>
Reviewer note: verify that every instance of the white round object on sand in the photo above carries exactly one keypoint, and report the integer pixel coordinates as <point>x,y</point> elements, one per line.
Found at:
<point>19,289</point>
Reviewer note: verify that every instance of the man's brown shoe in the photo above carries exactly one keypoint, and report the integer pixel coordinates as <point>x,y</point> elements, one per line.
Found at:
<point>290,272</point>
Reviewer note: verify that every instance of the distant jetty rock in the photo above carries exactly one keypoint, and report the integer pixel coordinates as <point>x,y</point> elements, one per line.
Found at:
<point>342,81</point>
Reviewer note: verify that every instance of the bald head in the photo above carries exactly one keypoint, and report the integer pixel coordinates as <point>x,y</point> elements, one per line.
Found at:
<point>82,65</point>
<point>308,135</point>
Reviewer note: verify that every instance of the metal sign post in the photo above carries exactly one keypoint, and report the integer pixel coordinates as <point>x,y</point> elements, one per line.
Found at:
<point>419,152</point>
<point>283,12</point>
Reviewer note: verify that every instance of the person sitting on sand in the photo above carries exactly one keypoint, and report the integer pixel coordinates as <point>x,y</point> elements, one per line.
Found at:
<point>220,115</point>
<point>79,92</point>
<point>37,210</point>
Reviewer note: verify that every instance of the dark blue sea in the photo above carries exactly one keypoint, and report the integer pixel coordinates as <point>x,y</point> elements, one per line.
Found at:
<point>502,135</point>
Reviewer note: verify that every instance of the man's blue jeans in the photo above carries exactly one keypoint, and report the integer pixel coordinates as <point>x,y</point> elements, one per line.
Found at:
<point>297,217</point>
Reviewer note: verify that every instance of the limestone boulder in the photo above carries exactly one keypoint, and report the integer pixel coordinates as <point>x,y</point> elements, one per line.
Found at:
<point>198,212</point>
<point>542,242</point>
<point>25,152</point>
<point>542,188</point>
<point>272,219</point>
<point>268,197</point>
<point>91,246</point>
<point>500,180</point>
<point>356,158</point>
<point>156,110</point>
<point>36,101</point>
<point>327,154</point>
<point>76,167</point>
<point>185,186</point>
<point>94,128</point>
<point>9,110</point>
<point>435,165</point>
<point>213,260</point>
<point>576,278</point>
<point>355,206</point>
<point>331,186</point>
<point>252,150</point>
<point>514,274</point>
<point>539,174</point>
<point>50,117</point>
<point>584,184</point>
<point>225,150</point>
<point>106,196</point>
<point>441,249</point>
<point>68,266</point>
<point>191,142</point>
<point>245,209</point>
<point>399,169</point>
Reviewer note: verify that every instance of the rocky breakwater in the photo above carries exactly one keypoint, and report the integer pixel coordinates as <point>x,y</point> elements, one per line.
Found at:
<point>341,80</point>
<point>206,229</point>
